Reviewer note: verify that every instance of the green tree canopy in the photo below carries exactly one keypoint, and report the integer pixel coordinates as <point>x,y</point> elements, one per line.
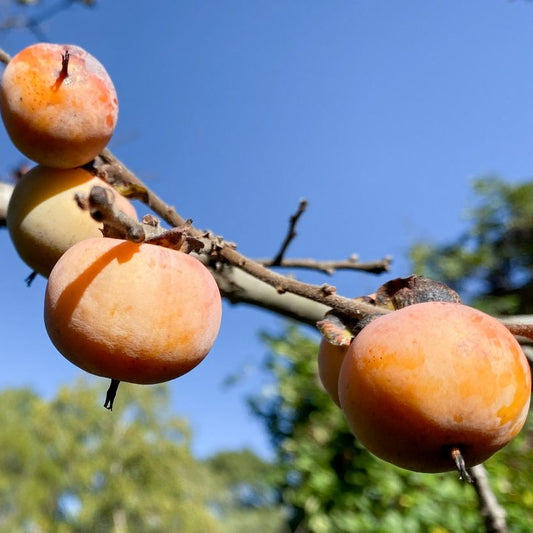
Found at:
<point>490,264</point>
<point>68,465</point>
<point>246,500</point>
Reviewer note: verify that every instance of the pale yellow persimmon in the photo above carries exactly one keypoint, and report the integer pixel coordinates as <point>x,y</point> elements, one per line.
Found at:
<point>418,382</point>
<point>43,218</point>
<point>58,104</point>
<point>131,312</point>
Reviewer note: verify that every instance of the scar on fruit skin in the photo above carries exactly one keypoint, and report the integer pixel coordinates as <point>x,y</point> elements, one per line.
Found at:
<point>63,75</point>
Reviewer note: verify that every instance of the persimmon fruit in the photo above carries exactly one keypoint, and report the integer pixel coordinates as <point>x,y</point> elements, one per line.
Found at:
<point>58,104</point>
<point>422,382</point>
<point>43,218</point>
<point>131,312</point>
<point>330,358</point>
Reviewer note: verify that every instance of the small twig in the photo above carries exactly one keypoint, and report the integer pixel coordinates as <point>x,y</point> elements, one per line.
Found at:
<point>493,513</point>
<point>34,23</point>
<point>5,58</point>
<point>291,234</point>
<point>330,267</point>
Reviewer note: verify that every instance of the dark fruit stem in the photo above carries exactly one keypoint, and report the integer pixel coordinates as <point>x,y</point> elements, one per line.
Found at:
<point>64,65</point>
<point>29,280</point>
<point>458,458</point>
<point>63,75</point>
<point>111,393</point>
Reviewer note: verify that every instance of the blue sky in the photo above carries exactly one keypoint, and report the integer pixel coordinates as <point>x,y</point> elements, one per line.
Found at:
<point>380,114</point>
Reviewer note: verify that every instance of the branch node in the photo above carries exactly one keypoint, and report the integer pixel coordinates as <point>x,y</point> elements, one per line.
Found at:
<point>328,289</point>
<point>101,206</point>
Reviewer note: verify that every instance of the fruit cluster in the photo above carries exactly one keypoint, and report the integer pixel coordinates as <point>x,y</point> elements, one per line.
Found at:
<point>127,311</point>
<point>430,386</point>
<point>427,384</point>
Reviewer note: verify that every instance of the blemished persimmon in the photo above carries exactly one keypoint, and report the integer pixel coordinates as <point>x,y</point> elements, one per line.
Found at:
<point>330,358</point>
<point>43,218</point>
<point>424,381</point>
<point>58,104</point>
<point>131,312</point>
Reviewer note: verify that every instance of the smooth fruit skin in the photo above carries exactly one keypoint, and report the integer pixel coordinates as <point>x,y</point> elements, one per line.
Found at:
<point>422,380</point>
<point>131,312</point>
<point>330,358</point>
<point>56,120</point>
<point>43,218</point>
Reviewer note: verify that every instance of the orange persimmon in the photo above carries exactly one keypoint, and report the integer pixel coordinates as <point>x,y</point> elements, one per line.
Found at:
<point>131,312</point>
<point>58,104</point>
<point>424,381</point>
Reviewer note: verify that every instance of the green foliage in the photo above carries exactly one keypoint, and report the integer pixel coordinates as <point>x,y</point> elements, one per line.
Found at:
<point>510,472</point>
<point>330,484</point>
<point>68,465</point>
<point>245,500</point>
<point>490,264</point>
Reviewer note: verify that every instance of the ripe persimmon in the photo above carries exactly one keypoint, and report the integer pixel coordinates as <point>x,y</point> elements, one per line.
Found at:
<point>424,381</point>
<point>330,358</point>
<point>43,218</point>
<point>58,104</point>
<point>131,312</point>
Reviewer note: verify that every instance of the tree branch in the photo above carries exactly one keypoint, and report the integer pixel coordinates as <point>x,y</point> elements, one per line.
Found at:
<point>112,170</point>
<point>235,285</point>
<point>519,325</point>
<point>5,58</point>
<point>123,179</point>
<point>324,294</point>
<point>239,287</point>
<point>330,267</point>
<point>491,511</point>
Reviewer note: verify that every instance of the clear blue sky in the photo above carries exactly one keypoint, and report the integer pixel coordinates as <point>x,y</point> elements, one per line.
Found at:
<point>378,113</point>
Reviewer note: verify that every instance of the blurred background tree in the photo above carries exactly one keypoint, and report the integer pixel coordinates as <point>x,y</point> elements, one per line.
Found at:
<point>246,499</point>
<point>66,468</point>
<point>490,264</point>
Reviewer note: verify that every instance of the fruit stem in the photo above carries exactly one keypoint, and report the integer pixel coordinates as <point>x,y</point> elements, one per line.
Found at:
<point>64,70</point>
<point>29,280</point>
<point>459,460</point>
<point>111,393</point>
